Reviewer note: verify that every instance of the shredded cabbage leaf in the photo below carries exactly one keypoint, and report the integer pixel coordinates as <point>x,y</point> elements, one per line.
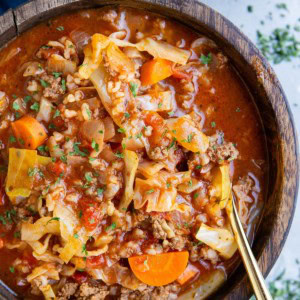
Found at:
<point>219,239</point>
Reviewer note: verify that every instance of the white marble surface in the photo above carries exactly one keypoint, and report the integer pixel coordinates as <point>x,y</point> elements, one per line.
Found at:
<point>289,76</point>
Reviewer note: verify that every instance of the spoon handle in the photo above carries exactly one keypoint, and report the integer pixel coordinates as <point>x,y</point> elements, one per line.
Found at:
<point>257,280</point>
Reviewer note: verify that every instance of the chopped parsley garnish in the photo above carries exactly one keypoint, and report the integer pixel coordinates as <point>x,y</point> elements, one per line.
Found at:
<point>76,236</point>
<point>27,98</point>
<point>100,131</point>
<point>56,114</point>
<point>190,182</point>
<point>119,154</point>
<point>17,234</point>
<point>100,192</point>
<point>56,74</point>
<point>77,151</point>
<point>159,105</point>
<point>53,219</point>
<point>44,83</point>
<point>172,144</point>
<point>89,113</point>
<point>189,138</point>
<point>281,45</point>
<point>64,158</point>
<point>111,227</point>
<point>281,6</point>
<point>196,195</point>
<point>35,106</point>
<point>121,130</point>
<point>250,8</point>
<point>84,250</point>
<point>213,124</point>
<point>139,135</point>
<point>150,191</point>
<point>92,159</point>
<point>80,214</point>
<point>60,28</point>
<point>45,47</point>
<point>238,109</point>
<point>206,59</point>
<point>123,146</point>
<point>127,115</point>
<point>95,146</point>
<point>198,167</point>
<point>171,113</point>
<point>14,96</point>
<point>133,88</point>
<point>168,185</point>
<point>12,139</point>
<point>88,177</point>
<point>12,269</point>
<point>16,105</point>
<point>63,85</point>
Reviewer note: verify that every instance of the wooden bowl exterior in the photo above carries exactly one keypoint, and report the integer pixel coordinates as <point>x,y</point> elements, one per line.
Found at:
<point>280,201</point>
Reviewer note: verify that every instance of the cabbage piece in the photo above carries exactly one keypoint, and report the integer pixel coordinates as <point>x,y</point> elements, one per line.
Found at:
<point>159,192</point>
<point>93,130</point>
<point>47,257</point>
<point>18,181</point>
<point>131,164</point>
<point>57,63</point>
<point>71,248</point>
<point>43,160</point>
<point>150,168</point>
<point>118,61</point>
<point>161,101</point>
<point>33,232</point>
<point>47,292</point>
<point>98,80</point>
<point>93,55</point>
<point>164,50</point>
<point>190,186</point>
<point>187,134</point>
<point>218,239</point>
<point>221,183</point>
<point>48,270</point>
<point>38,247</point>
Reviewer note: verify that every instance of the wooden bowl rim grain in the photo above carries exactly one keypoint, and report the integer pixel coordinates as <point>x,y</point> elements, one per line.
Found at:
<point>269,98</point>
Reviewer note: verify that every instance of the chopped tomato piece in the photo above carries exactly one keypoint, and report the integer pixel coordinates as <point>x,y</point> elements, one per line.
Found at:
<point>80,277</point>
<point>57,167</point>
<point>96,262</point>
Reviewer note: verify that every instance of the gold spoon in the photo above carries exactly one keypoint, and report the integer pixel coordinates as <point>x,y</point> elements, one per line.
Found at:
<point>257,280</point>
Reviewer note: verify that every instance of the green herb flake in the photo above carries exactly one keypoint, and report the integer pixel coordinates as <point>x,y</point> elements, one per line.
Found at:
<point>88,177</point>
<point>121,130</point>
<point>213,124</point>
<point>16,105</point>
<point>100,192</point>
<point>159,105</point>
<point>80,214</point>
<point>84,250</point>
<point>76,236</point>
<point>77,151</point>
<point>44,83</point>
<point>92,159</point>
<point>56,114</point>
<point>14,96</point>
<point>27,98</point>
<point>53,219</point>
<point>12,269</point>
<point>17,234</point>
<point>126,115</point>
<point>12,139</point>
<point>133,88</point>
<point>35,106</point>
<point>198,167</point>
<point>250,8</point>
<point>206,59</point>
<point>190,182</point>
<point>150,191</point>
<point>63,85</point>
<point>172,144</point>
<point>196,195</point>
<point>60,28</point>
<point>56,74</point>
<point>238,109</point>
<point>111,227</point>
<point>94,145</point>
<point>119,154</point>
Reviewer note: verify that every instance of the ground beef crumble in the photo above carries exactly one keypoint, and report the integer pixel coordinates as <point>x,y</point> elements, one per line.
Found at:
<point>86,291</point>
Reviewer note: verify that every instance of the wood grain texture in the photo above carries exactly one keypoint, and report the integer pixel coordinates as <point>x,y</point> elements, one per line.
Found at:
<point>270,100</point>
<point>8,29</point>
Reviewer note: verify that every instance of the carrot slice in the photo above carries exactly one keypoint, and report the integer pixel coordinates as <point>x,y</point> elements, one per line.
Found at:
<point>188,274</point>
<point>29,132</point>
<point>155,70</point>
<point>160,269</point>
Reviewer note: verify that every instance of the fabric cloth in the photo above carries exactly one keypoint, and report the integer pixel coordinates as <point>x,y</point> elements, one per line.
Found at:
<point>6,4</point>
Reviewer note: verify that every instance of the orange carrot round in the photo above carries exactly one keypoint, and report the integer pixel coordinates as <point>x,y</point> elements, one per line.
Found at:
<point>29,132</point>
<point>155,70</point>
<point>160,269</point>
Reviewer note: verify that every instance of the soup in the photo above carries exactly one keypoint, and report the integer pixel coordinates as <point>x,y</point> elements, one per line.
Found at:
<point>123,136</point>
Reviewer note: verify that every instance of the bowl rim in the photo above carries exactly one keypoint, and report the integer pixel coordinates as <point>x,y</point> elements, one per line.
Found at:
<point>25,16</point>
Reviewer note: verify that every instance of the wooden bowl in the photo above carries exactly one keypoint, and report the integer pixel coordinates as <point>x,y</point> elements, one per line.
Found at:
<point>280,201</point>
